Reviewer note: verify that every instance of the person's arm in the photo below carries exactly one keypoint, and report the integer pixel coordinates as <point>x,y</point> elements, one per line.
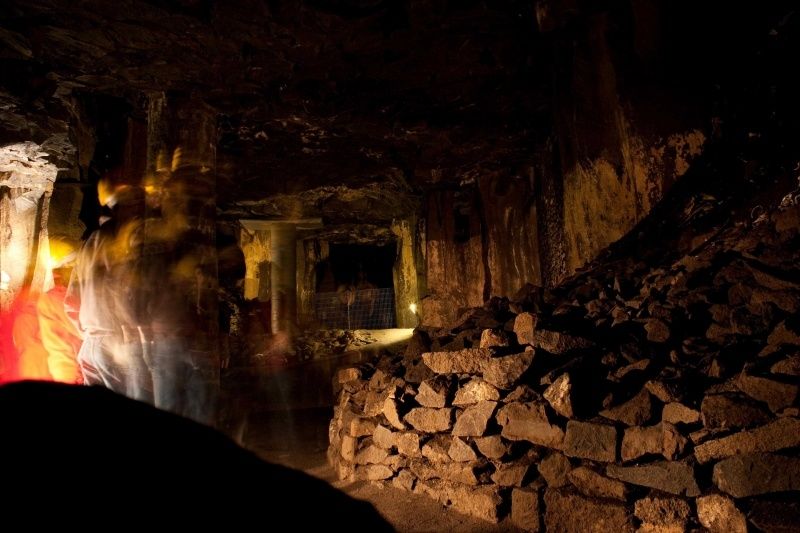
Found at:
<point>59,338</point>
<point>72,300</point>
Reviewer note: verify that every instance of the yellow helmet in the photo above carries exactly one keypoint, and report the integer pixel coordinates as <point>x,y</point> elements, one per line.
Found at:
<point>105,191</point>
<point>62,251</point>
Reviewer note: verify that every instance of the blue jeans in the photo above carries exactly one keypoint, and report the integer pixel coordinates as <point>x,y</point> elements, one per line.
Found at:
<point>183,379</point>
<point>108,361</point>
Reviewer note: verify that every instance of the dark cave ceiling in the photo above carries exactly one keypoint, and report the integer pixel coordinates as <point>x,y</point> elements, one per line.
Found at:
<point>310,93</point>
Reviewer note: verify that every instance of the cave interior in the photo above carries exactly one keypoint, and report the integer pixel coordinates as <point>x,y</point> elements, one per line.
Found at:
<point>532,261</point>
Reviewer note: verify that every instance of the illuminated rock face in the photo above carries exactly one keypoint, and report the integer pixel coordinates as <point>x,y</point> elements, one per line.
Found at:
<point>26,183</point>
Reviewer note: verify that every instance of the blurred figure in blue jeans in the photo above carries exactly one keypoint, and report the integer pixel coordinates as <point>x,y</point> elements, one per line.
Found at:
<point>178,292</point>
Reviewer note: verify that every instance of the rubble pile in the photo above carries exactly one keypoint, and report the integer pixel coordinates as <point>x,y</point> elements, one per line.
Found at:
<point>316,343</point>
<point>660,397</point>
<point>274,350</point>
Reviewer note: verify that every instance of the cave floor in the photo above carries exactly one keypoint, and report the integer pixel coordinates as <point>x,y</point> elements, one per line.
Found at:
<point>283,417</point>
<point>299,438</point>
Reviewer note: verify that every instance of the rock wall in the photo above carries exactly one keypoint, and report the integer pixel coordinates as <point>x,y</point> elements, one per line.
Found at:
<point>662,397</point>
<point>481,242</point>
<point>619,154</point>
<point>606,158</point>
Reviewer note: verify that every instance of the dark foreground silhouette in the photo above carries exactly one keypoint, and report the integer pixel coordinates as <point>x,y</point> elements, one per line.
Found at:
<point>86,457</point>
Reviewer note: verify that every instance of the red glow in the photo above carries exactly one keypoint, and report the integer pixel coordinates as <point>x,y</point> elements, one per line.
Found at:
<point>37,341</point>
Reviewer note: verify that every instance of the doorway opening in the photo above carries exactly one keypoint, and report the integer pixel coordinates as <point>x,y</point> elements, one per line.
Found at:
<point>355,287</point>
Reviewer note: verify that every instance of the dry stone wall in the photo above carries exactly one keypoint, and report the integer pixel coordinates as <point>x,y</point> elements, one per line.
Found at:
<point>663,398</point>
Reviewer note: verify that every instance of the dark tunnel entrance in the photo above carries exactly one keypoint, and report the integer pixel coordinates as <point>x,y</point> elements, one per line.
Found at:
<point>355,288</point>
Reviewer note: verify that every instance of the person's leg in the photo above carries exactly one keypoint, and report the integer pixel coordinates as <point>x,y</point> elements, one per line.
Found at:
<point>138,383</point>
<point>166,360</point>
<point>201,388</point>
<point>91,375</point>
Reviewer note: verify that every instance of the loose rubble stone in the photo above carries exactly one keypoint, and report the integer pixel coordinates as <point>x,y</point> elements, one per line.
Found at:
<point>436,449</point>
<point>504,372</point>
<point>383,437</point>
<point>525,509</point>
<point>789,366</point>
<point>783,300</point>
<point>634,412</point>
<point>758,473</point>
<point>480,502</point>
<point>569,512</point>
<point>718,334</point>
<point>492,447</point>
<point>559,396</point>
<point>674,443</point>
<point>661,511</point>
<point>433,393</point>
<point>396,462</point>
<point>783,335</point>
<point>430,420</point>
<point>460,451</point>
<point>731,411</point>
<point>647,527</point>
<point>474,391</point>
<point>639,441</point>
<point>390,411</point>
<point>417,371</point>
<point>345,375</point>
<point>373,472</point>
<point>467,361</point>
<point>703,435</point>
<point>361,427</point>
<point>349,446</point>
<point>474,420</point>
<point>522,393</point>
<point>491,338</point>
<point>466,473</point>
<point>777,435</point>
<point>371,455</point>
<point>719,514</point>
<point>554,469</point>
<point>558,343</point>
<point>345,470</point>
<point>592,484</point>
<point>775,394</point>
<point>667,476</point>
<point>404,480</point>
<point>525,327</point>
<point>657,330</point>
<point>408,443</point>
<point>665,392</point>
<point>510,474</point>
<point>528,421</point>
<point>597,442</point>
<point>677,413</point>
<point>379,380</point>
<point>374,402</point>
<point>638,366</point>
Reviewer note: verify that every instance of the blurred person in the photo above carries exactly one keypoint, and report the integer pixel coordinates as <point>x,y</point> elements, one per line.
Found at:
<point>231,272</point>
<point>59,336</point>
<point>177,296</point>
<point>103,301</point>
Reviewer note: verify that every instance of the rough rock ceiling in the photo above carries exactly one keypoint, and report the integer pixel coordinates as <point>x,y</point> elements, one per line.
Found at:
<point>311,93</point>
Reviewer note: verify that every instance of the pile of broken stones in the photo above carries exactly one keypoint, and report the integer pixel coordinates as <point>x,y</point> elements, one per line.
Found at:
<point>633,396</point>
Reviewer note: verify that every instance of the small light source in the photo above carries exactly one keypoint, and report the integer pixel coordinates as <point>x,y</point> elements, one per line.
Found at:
<point>5,281</point>
<point>413,308</point>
